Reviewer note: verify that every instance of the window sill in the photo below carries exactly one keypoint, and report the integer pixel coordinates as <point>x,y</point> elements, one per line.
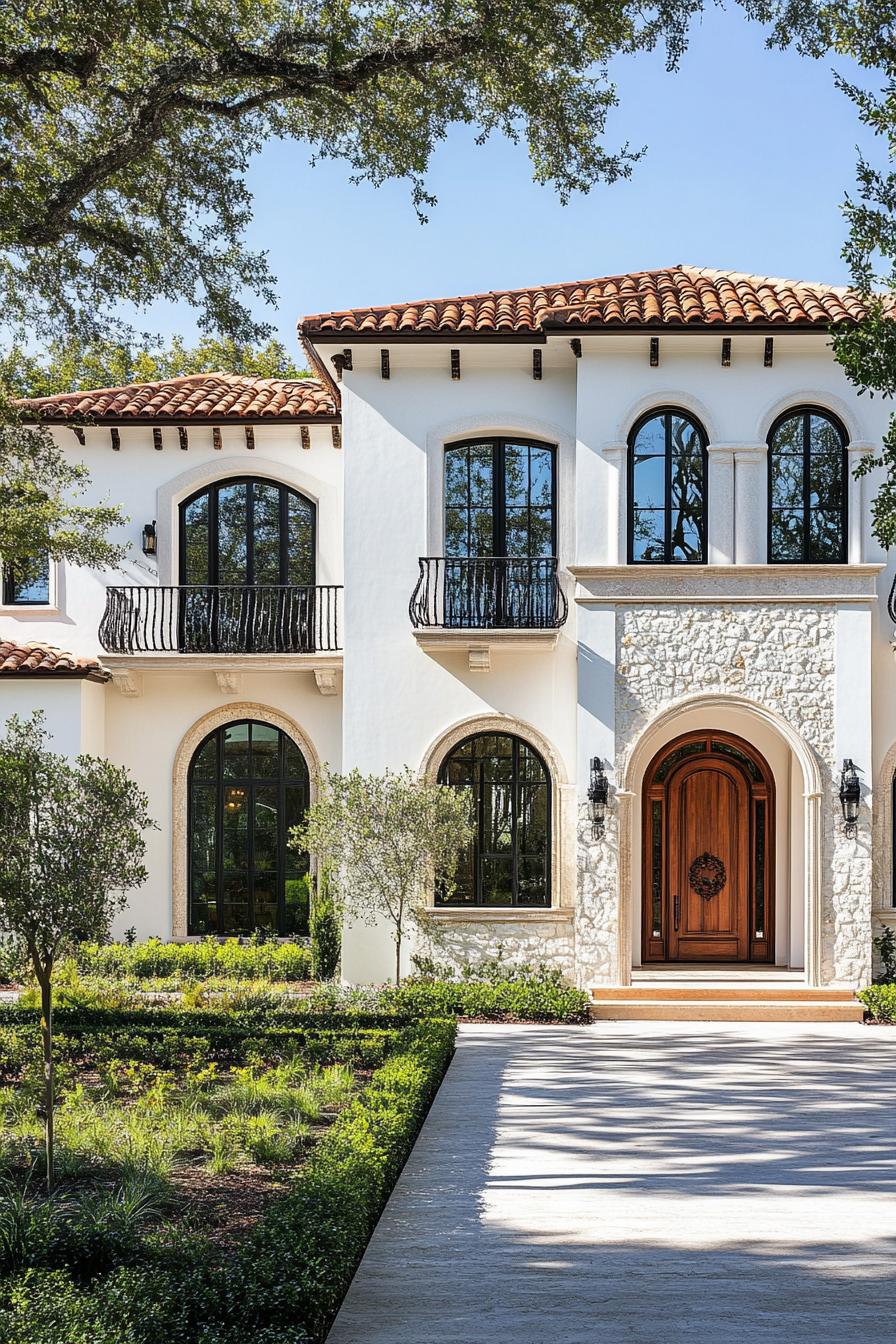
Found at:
<point>36,611</point>
<point>483,914</point>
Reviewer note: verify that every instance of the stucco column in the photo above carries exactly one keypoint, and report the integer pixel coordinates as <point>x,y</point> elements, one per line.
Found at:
<point>720,525</point>
<point>616,457</point>
<point>751,504</point>
<point>855,494</point>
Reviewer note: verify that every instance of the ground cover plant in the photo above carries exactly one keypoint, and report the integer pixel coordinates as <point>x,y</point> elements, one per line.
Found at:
<point>219,1171</point>
<point>227,958</point>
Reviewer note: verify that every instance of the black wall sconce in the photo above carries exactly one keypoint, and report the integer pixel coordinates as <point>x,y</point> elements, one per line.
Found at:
<point>149,538</point>
<point>598,795</point>
<point>850,797</point>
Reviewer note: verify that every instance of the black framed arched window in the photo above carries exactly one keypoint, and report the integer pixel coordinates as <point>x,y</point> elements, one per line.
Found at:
<point>247,531</point>
<point>807,494</point>
<point>509,789</point>
<point>667,489</point>
<point>248,784</point>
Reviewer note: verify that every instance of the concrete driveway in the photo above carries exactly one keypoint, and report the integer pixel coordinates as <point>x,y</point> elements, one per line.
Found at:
<point>644,1182</point>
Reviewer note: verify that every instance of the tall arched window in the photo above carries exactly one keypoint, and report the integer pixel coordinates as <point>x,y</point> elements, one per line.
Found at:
<point>807,488</point>
<point>667,474</point>
<point>247,531</point>
<point>248,784</point>
<point>247,551</point>
<point>509,790</point>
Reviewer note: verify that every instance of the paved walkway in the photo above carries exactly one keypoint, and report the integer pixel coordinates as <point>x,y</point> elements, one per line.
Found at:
<point>644,1183</point>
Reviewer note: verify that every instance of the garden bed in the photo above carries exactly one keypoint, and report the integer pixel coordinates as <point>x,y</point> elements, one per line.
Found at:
<point>217,1169</point>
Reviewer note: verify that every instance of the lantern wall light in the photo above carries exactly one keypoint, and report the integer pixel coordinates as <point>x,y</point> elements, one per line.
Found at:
<point>149,538</point>
<point>598,796</point>
<point>850,797</point>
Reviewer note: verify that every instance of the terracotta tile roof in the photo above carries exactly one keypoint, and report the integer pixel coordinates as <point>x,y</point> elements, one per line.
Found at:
<point>678,296</point>
<point>46,660</point>
<point>197,396</point>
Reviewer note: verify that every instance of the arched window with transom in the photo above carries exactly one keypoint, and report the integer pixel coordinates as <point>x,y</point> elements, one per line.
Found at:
<point>508,861</point>
<point>248,784</point>
<point>667,489</point>
<point>807,494</point>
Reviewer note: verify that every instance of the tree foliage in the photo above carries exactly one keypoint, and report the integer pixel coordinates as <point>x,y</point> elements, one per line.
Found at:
<point>385,842</point>
<point>73,364</point>
<point>126,126</point>
<point>42,507</point>
<point>71,845</point>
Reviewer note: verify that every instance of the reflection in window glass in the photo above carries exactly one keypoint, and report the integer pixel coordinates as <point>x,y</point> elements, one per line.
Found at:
<point>31,592</point>
<point>509,793</point>
<point>667,490</point>
<point>248,785</point>
<point>247,532</point>
<point>807,489</point>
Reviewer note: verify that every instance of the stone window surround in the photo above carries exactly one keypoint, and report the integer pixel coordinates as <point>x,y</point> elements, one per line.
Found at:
<point>563,823</point>
<point>217,718</point>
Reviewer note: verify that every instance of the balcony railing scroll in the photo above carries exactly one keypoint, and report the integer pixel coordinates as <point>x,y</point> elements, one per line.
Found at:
<point>236,618</point>
<point>488,593</point>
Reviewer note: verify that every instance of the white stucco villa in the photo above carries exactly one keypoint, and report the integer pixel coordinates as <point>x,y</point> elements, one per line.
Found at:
<point>524,542</point>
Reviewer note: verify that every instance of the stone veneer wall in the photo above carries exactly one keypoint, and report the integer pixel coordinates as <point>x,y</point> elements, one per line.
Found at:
<point>462,943</point>
<point>780,656</point>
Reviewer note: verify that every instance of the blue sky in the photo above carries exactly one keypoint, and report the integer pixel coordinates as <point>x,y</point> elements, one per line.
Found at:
<point>749,153</point>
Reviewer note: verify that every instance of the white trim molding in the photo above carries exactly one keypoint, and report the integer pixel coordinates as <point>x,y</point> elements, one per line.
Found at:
<point>669,397</point>
<point>217,718</point>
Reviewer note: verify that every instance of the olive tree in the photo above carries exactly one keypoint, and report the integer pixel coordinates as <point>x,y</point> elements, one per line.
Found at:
<point>72,841</point>
<point>386,842</point>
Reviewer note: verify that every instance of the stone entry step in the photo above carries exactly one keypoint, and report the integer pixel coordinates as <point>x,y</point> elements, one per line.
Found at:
<point>732,1002</point>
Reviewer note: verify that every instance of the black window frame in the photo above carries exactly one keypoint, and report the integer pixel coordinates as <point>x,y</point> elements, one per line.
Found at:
<point>213,490</point>
<point>807,411</point>
<point>10,584</point>
<point>499,444</point>
<point>654,414</point>
<point>515,904</point>
<point>282,780</point>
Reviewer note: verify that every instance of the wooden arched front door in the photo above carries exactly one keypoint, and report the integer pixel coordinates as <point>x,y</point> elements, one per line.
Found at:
<point>708,852</point>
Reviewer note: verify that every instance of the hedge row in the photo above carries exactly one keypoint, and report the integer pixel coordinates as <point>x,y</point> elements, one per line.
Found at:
<point>285,1282</point>
<point>880,1001</point>
<point>537,999</point>
<point>154,959</point>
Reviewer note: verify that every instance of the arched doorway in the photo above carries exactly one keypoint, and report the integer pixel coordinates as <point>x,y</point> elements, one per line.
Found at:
<point>247,785</point>
<point>708,852</point>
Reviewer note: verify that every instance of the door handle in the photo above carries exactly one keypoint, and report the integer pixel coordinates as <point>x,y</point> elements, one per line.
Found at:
<point>676,911</point>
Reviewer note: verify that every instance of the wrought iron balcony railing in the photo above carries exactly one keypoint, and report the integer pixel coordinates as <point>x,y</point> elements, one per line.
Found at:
<point>237,618</point>
<point>488,593</point>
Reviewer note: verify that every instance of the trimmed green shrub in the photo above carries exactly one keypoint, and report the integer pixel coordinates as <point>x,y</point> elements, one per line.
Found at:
<point>524,1000</point>
<point>880,1001</point>
<point>153,959</point>
<point>326,937</point>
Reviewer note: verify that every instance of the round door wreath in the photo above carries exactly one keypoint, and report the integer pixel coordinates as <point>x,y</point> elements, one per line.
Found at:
<point>707,876</point>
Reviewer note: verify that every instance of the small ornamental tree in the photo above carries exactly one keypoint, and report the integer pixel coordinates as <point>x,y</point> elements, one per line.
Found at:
<point>71,845</point>
<point>386,841</point>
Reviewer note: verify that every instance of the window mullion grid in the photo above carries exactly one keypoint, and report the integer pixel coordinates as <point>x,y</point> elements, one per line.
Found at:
<point>514,821</point>
<point>283,518</point>
<point>213,568</point>
<point>478,842</point>
<point>667,513</point>
<point>807,509</point>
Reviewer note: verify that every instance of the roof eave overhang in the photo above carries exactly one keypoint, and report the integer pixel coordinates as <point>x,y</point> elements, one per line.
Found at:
<point>188,421</point>
<point>95,674</point>
<point>539,337</point>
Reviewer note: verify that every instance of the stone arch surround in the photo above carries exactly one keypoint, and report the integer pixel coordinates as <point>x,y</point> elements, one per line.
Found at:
<point>722,710</point>
<point>519,935</point>
<point>217,718</point>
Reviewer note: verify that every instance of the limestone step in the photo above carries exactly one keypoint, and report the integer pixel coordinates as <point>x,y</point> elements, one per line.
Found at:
<point>725,1010</point>
<point>723,992</point>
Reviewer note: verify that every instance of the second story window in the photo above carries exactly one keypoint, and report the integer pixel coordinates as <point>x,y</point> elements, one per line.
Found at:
<point>667,490</point>
<point>33,591</point>
<point>247,533</point>
<point>499,499</point>
<point>807,489</point>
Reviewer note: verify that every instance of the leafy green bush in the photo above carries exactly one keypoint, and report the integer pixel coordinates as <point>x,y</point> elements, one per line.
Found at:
<point>326,937</point>
<point>534,1000</point>
<point>254,960</point>
<point>13,960</point>
<point>885,947</point>
<point>880,1001</point>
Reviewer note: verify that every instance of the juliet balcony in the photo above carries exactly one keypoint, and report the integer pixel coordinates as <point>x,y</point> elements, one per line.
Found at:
<point>487,602</point>
<point>224,619</point>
